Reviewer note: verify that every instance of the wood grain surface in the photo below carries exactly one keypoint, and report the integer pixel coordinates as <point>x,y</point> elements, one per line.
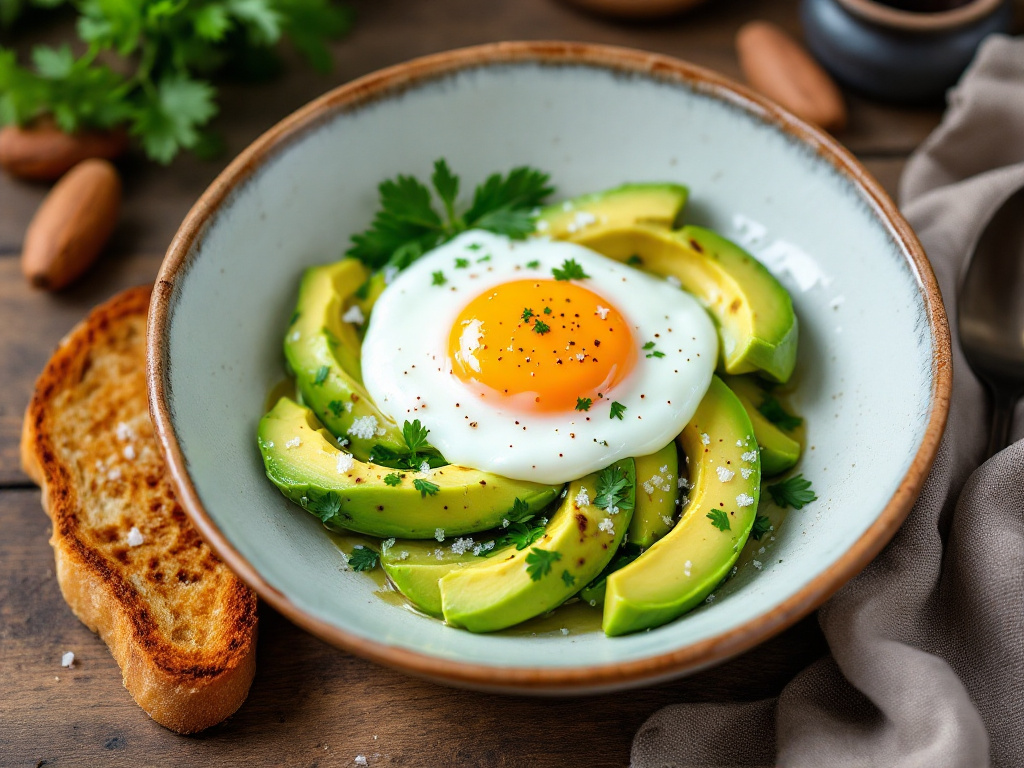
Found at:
<point>312,705</point>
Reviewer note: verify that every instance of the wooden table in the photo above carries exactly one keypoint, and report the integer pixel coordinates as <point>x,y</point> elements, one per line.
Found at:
<point>311,704</point>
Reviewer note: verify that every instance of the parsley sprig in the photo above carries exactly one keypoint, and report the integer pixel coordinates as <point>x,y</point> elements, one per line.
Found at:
<point>417,450</point>
<point>408,224</point>
<point>762,524</point>
<point>524,528</point>
<point>719,519</point>
<point>539,562</point>
<point>363,558</point>
<point>146,65</point>
<point>774,411</point>
<point>793,492</point>
<point>570,270</point>
<point>613,489</point>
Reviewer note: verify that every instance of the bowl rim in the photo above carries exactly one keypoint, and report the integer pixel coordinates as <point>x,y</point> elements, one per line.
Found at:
<point>921,21</point>
<point>394,80</point>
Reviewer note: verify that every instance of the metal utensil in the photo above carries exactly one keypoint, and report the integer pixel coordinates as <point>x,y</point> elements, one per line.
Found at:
<point>990,314</point>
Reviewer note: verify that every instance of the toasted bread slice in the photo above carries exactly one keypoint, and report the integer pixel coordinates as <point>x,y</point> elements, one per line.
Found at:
<point>181,626</point>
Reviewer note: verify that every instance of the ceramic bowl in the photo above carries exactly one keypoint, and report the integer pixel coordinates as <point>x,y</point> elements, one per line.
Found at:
<point>874,350</point>
<point>899,55</point>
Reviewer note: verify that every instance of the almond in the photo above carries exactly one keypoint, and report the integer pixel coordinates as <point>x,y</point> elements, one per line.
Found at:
<point>780,68</point>
<point>43,152</point>
<point>72,225</point>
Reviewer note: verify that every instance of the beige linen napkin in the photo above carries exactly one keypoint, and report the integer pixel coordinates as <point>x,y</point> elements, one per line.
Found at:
<point>927,662</point>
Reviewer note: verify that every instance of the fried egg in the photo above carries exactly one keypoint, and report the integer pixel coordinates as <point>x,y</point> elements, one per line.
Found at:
<point>537,360</point>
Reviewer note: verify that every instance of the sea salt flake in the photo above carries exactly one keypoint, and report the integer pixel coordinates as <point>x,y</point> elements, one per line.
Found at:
<point>725,474</point>
<point>439,534</point>
<point>607,526</point>
<point>344,462</point>
<point>667,520</point>
<point>129,452</point>
<point>583,497</point>
<point>565,630</point>
<point>134,537</point>
<point>295,442</point>
<point>749,456</point>
<point>674,281</point>
<point>744,500</point>
<point>462,546</point>
<point>602,312</point>
<point>361,760</point>
<point>403,555</point>
<point>757,564</point>
<point>745,473</point>
<point>364,427</point>
<point>705,438</point>
<point>439,553</point>
<point>354,315</point>
<point>68,659</point>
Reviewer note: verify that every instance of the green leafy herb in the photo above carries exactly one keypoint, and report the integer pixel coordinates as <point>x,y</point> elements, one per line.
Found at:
<point>762,524</point>
<point>363,558</point>
<point>533,264</point>
<point>570,270</point>
<point>773,410</point>
<point>539,326</point>
<point>321,375</point>
<point>547,310</point>
<point>522,535</point>
<point>145,65</point>
<point>719,519</point>
<point>482,259</point>
<point>613,489</point>
<point>792,492</point>
<point>520,511</point>
<point>527,314</point>
<point>584,403</point>
<point>407,225</point>
<point>461,263</point>
<point>425,487</point>
<point>336,407</point>
<point>393,479</point>
<point>634,260</point>
<point>617,410</point>
<point>539,562</point>
<point>325,506</point>
<point>438,278</point>
<point>568,579</point>
<point>415,436</point>
<point>651,351</point>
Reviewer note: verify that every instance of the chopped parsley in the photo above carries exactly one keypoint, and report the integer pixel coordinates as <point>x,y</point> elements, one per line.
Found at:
<point>547,310</point>
<point>539,326</point>
<point>407,225</point>
<point>438,278</point>
<point>762,524</point>
<point>533,264</point>
<point>461,263</point>
<point>520,511</point>
<point>720,519</point>
<point>425,487</point>
<point>324,506</point>
<point>415,436</point>
<point>522,535</point>
<point>393,479</point>
<point>634,260</point>
<point>651,351</point>
<point>482,259</point>
<point>613,489</point>
<point>523,528</point>
<point>321,375</point>
<point>539,562</point>
<point>336,407</point>
<point>570,270</point>
<point>773,410</point>
<point>362,559</point>
<point>584,403</point>
<point>793,492</point>
<point>617,410</point>
<point>568,579</point>
<point>416,452</point>
<point>527,314</point>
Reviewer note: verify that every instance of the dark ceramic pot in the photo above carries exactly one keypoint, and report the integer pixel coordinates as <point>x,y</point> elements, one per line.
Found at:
<point>895,55</point>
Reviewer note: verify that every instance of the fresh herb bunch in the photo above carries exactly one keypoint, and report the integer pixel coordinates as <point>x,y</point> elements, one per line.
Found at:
<point>166,50</point>
<point>408,225</point>
<point>523,529</point>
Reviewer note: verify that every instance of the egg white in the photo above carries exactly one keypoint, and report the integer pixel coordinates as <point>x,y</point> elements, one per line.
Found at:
<point>407,371</point>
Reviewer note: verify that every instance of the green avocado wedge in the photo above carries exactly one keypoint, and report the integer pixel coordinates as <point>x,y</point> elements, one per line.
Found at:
<point>516,585</point>
<point>779,449</point>
<point>753,312</point>
<point>323,351</point>
<point>415,567</point>
<point>657,488</point>
<point>681,569</point>
<point>657,203</point>
<point>303,461</point>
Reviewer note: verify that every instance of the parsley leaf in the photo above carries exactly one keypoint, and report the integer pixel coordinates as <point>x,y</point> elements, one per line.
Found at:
<point>362,558</point>
<point>533,264</point>
<point>792,492</point>
<point>336,407</point>
<point>568,579</point>
<point>407,225</point>
<point>415,436</point>
<point>325,506</point>
<point>522,535</point>
<point>321,375</point>
<point>584,403</point>
<point>539,326</point>
<point>719,519</point>
<point>617,410</point>
<point>539,562</point>
<point>570,270</point>
<point>527,314</point>
<point>425,487</point>
<point>547,310</point>
<point>613,489</point>
<point>762,524</point>
<point>438,278</point>
<point>634,260</point>
<point>461,263</point>
<point>773,410</point>
<point>520,511</point>
<point>393,479</point>
<point>651,351</point>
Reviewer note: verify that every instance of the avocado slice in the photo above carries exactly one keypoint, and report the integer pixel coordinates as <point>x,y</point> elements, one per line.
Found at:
<point>754,313</point>
<point>657,477</point>
<point>681,569</point>
<point>580,540</point>
<point>779,451</point>
<point>323,351</point>
<point>656,203</point>
<point>304,462</point>
<point>415,568</point>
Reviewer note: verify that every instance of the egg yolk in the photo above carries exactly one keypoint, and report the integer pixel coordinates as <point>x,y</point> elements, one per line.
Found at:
<point>541,345</point>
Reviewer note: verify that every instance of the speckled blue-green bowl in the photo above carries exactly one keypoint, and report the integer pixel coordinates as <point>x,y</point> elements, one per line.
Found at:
<point>873,364</point>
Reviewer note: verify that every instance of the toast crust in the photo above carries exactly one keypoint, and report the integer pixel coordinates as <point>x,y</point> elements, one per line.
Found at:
<point>129,563</point>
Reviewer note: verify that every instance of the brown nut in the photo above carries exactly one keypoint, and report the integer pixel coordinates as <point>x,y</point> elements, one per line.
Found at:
<point>72,225</point>
<point>43,152</point>
<point>780,68</point>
